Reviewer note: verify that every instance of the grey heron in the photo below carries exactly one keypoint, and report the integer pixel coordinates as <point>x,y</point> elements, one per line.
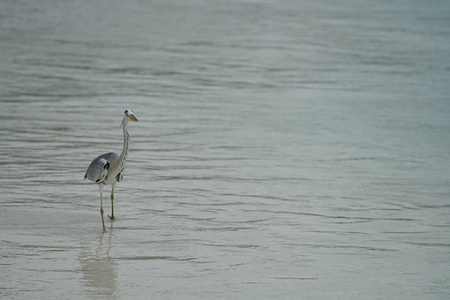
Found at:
<point>107,169</point>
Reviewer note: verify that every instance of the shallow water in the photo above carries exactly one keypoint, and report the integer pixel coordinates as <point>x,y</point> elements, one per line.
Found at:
<point>285,149</point>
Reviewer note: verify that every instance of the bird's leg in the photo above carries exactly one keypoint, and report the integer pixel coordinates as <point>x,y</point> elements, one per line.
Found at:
<point>101,205</point>
<point>112,202</point>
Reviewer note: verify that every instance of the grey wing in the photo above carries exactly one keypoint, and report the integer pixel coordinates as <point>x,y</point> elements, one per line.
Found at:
<point>99,167</point>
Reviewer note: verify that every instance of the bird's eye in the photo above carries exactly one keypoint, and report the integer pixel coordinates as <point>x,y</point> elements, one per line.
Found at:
<point>126,112</point>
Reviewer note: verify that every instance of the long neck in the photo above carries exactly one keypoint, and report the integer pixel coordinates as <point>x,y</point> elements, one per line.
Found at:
<point>126,140</point>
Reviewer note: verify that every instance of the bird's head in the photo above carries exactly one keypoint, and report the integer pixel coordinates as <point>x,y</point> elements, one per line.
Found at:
<point>129,114</point>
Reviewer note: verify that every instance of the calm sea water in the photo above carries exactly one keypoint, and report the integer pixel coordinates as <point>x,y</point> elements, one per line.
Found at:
<point>285,149</point>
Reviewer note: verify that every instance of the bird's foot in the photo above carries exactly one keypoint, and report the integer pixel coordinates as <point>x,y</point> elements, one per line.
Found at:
<point>111,217</point>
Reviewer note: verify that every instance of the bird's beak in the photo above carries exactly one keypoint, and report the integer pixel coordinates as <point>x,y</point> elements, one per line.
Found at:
<point>133,118</point>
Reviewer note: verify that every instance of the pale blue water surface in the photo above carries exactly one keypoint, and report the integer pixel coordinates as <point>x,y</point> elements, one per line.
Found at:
<point>285,149</point>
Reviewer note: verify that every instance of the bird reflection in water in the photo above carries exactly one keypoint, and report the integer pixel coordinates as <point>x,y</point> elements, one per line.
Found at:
<point>99,270</point>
